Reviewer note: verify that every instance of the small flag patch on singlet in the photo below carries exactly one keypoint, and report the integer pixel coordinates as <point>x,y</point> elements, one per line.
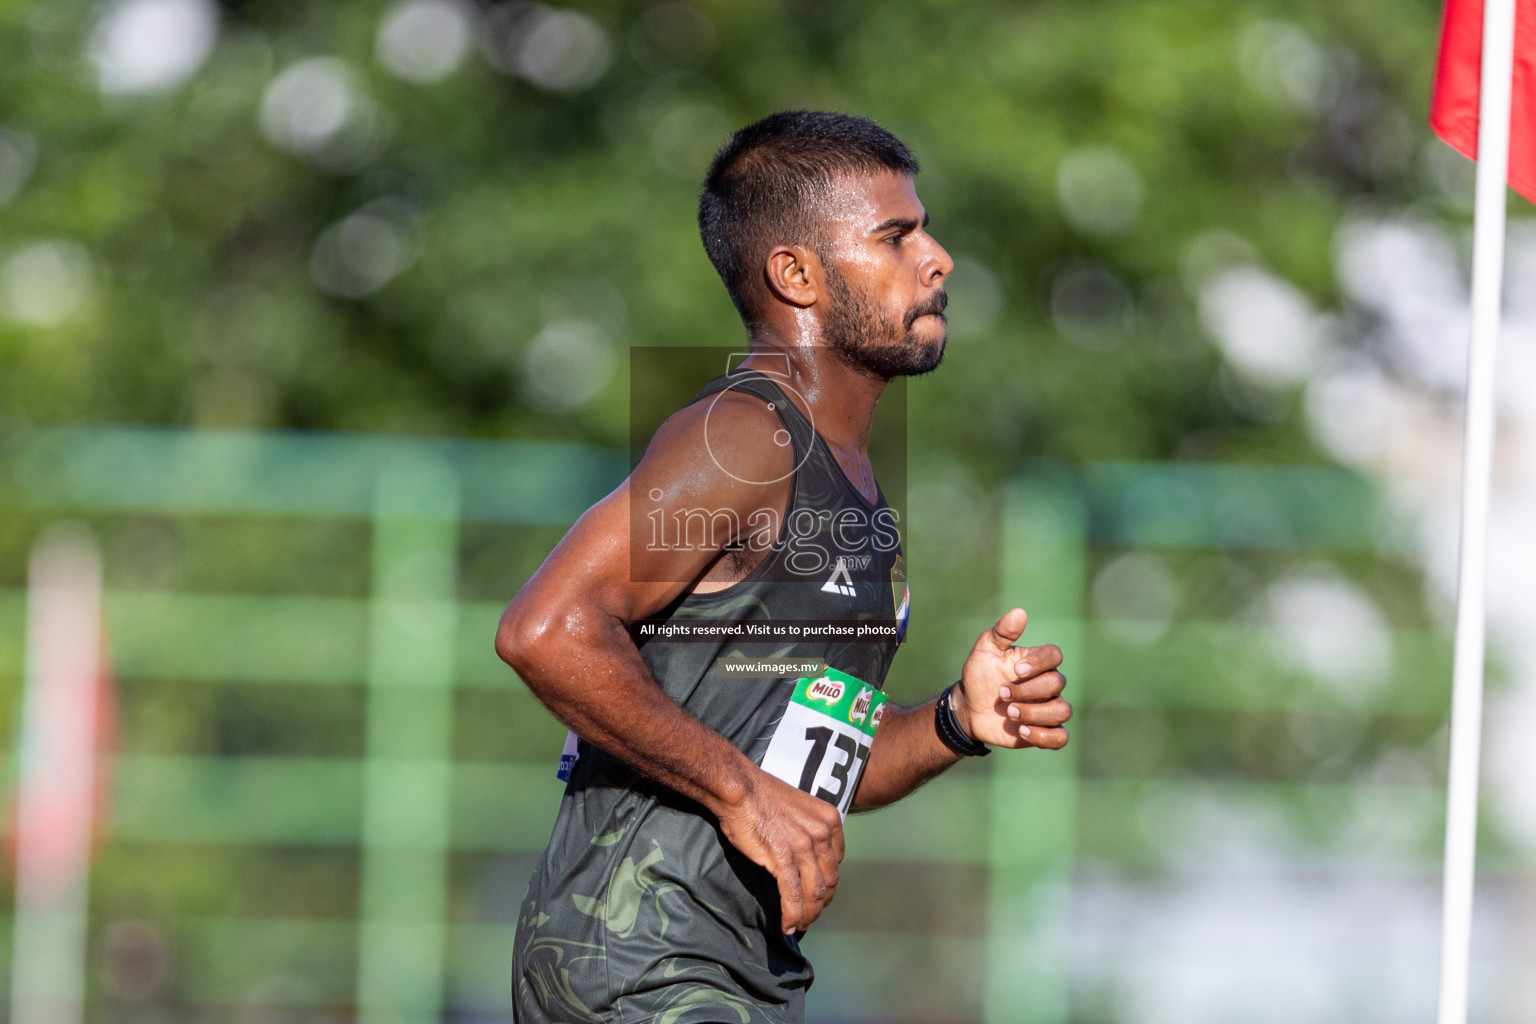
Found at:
<point>568,756</point>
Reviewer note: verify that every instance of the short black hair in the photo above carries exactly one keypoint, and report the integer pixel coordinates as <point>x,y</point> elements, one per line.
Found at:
<point>763,186</point>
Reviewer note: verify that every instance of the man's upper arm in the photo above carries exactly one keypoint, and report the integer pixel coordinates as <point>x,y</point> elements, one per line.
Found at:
<point>625,558</point>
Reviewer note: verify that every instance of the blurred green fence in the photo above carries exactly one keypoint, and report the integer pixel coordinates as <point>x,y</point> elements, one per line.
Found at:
<point>408,805</point>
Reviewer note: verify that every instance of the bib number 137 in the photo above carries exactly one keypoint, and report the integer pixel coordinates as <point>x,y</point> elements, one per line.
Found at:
<point>822,742</point>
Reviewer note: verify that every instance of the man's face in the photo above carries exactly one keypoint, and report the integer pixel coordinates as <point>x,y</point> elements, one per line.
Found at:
<point>885,277</point>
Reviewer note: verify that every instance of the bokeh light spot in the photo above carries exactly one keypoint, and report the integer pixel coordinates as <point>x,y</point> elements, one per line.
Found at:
<point>361,253</point>
<point>317,108</point>
<point>143,46</point>
<point>557,50</point>
<point>566,365</point>
<point>424,40</point>
<point>46,282</point>
<point>1135,597</point>
<point>1099,191</point>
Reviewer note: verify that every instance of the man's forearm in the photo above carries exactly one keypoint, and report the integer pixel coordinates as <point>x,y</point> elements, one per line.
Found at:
<point>907,752</point>
<point>595,682</point>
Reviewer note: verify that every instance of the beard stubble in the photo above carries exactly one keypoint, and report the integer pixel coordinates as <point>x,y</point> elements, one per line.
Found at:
<point>865,337</point>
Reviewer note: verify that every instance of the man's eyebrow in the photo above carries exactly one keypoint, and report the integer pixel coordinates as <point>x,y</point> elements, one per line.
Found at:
<point>905,223</point>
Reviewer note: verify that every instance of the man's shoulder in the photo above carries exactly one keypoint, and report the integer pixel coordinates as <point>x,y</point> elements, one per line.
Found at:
<point>738,433</point>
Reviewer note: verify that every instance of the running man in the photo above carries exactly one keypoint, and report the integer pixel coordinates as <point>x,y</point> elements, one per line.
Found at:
<point>701,828</point>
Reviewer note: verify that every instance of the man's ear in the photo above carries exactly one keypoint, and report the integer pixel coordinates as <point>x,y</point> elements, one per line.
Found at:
<point>794,275</point>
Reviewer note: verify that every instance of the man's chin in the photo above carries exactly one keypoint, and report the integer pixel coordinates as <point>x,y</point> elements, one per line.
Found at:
<point>919,351</point>
<point>925,349</point>
<point>913,357</point>
<point>928,359</point>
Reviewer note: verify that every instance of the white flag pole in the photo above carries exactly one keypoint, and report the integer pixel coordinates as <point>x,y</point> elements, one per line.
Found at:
<point>1477,471</point>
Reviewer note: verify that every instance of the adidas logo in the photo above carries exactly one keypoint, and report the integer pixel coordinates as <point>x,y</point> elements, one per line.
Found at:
<point>840,582</point>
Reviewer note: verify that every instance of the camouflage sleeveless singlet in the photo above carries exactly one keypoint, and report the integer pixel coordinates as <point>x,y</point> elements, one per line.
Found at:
<point>640,910</point>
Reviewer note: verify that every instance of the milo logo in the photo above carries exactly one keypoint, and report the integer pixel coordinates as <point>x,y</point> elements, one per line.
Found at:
<point>860,709</point>
<point>825,689</point>
<point>874,719</point>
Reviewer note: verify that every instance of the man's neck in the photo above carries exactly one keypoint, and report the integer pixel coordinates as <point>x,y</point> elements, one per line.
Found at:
<point>841,397</point>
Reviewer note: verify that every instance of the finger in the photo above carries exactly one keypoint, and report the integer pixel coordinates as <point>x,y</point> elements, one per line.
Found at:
<point>1045,739</point>
<point>836,842</point>
<point>791,895</point>
<point>815,893</point>
<point>827,858</point>
<point>1006,632</point>
<point>1051,713</point>
<point>1031,661</point>
<point>1045,686</point>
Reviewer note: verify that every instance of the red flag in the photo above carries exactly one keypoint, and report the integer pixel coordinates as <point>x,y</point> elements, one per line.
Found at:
<point>68,724</point>
<point>101,802</point>
<point>1453,107</point>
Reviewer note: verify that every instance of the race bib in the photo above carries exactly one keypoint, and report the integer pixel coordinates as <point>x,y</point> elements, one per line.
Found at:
<point>823,740</point>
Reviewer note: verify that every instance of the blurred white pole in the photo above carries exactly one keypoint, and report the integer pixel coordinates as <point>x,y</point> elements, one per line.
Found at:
<point>1477,471</point>
<point>408,774</point>
<point>57,792</point>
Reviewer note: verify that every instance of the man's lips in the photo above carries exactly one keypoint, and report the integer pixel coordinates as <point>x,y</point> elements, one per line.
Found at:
<point>933,307</point>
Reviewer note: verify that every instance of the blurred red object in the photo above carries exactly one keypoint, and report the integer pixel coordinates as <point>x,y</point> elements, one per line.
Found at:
<point>1453,110</point>
<point>57,813</point>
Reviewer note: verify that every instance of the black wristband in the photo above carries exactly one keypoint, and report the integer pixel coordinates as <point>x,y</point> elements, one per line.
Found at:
<point>949,730</point>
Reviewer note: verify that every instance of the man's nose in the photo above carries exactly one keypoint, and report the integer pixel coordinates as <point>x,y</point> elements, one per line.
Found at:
<point>936,265</point>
